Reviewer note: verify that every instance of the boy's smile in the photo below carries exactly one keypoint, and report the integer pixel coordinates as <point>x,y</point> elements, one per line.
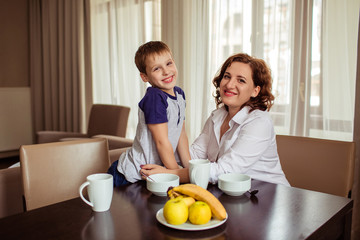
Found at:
<point>168,80</point>
<point>161,72</point>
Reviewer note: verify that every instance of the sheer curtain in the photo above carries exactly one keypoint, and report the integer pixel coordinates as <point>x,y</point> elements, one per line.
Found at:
<point>118,28</point>
<point>300,40</point>
<point>297,39</point>
<point>185,28</point>
<point>309,50</point>
<point>339,41</point>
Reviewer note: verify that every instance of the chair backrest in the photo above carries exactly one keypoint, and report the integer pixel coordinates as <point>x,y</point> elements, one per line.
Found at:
<point>11,192</point>
<point>108,119</point>
<point>53,172</point>
<point>317,164</point>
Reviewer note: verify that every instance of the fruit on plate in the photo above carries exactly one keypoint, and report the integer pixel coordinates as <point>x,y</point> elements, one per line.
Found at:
<point>188,200</point>
<point>199,213</point>
<point>176,211</point>
<point>199,194</point>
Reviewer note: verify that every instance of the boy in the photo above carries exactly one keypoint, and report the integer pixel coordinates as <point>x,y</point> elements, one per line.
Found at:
<point>161,128</point>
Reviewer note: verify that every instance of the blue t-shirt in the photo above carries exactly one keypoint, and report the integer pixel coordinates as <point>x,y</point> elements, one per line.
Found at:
<point>155,107</point>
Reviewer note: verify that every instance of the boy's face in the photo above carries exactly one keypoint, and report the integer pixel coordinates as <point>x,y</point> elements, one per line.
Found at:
<point>161,72</point>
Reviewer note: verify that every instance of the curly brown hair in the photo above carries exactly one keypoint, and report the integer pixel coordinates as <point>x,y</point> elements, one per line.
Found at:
<point>261,75</point>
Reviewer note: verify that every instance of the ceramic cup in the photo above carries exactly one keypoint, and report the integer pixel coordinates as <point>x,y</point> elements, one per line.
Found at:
<point>100,191</point>
<point>199,172</point>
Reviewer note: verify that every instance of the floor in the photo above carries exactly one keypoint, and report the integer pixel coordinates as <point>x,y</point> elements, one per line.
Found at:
<point>7,162</point>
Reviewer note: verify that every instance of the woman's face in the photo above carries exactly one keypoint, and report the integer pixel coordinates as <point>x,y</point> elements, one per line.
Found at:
<point>237,86</point>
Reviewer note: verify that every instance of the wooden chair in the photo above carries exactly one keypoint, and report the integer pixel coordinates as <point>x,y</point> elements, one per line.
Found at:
<point>11,192</point>
<point>53,172</point>
<point>104,119</point>
<point>318,164</point>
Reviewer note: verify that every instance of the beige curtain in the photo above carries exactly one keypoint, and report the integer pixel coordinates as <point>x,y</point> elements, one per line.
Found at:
<point>59,70</point>
<point>356,187</point>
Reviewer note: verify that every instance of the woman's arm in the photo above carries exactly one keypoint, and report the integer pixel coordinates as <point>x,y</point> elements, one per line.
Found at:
<point>160,136</point>
<point>183,148</point>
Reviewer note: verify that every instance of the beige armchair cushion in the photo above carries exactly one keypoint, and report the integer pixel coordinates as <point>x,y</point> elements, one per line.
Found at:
<point>53,172</point>
<point>318,164</point>
<point>11,192</point>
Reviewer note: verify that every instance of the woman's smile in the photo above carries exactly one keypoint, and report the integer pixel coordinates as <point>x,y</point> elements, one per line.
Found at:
<point>229,93</point>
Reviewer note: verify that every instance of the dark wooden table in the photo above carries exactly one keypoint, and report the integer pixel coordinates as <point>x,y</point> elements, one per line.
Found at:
<point>277,212</point>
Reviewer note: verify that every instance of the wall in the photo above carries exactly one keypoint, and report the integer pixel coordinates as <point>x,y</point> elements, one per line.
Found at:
<point>15,118</point>
<point>15,113</point>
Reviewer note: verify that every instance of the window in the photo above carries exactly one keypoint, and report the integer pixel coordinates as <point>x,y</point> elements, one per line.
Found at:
<point>302,41</point>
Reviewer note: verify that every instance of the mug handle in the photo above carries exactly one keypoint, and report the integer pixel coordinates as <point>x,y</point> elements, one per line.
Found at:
<point>81,195</point>
<point>193,174</point>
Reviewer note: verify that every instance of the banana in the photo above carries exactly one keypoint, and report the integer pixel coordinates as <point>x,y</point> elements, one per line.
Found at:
<point>188,201</point>
<point>201,194</point>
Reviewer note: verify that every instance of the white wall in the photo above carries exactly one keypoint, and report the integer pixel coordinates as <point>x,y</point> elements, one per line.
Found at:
<point>15,118</point>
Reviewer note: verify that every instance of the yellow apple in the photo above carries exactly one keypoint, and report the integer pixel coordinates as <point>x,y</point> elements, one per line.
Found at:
<point>176,211</point>
<point>199,213</point>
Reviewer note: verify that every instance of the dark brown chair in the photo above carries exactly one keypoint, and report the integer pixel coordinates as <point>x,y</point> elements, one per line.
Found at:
<point>104,119</point>
<point>318,164</point>
<point>53,172</point>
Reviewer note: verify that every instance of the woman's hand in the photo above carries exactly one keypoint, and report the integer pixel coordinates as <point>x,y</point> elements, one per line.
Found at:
<point>150,169</point>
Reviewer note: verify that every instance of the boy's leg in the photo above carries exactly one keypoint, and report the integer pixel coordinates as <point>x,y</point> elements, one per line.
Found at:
<point>119,179</point>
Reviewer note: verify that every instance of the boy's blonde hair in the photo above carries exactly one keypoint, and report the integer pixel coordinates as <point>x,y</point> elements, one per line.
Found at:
<point>148,49</point>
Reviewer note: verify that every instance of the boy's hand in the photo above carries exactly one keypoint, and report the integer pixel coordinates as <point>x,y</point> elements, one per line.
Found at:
<point>150,169</point>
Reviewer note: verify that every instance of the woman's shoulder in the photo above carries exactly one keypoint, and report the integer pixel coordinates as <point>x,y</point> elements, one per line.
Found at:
<point>259,114</point>
<point>260,118</point>
<point>256,116</point>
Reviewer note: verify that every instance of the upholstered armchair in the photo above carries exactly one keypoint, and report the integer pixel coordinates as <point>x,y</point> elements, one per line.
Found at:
<point>104,119</point>
<point>318,164</point>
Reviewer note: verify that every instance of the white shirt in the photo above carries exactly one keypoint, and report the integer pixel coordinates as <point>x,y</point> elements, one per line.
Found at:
<point>248,146</point>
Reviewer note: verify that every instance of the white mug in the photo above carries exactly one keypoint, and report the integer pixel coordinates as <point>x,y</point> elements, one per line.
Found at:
<point>199,172</point>
<point>100,191</point>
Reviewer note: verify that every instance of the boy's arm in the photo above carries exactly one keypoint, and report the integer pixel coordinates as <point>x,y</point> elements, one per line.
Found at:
<point>183,148</point>
<point>160,136</point>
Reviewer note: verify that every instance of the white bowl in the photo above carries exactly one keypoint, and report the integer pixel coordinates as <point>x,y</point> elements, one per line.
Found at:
<point>162,182</point>
<point>234,184</point>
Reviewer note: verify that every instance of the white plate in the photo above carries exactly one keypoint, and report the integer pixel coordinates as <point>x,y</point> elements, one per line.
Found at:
<point>213,223</point>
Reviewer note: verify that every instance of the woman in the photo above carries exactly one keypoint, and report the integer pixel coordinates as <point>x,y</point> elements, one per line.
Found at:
<point>239,135</point>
